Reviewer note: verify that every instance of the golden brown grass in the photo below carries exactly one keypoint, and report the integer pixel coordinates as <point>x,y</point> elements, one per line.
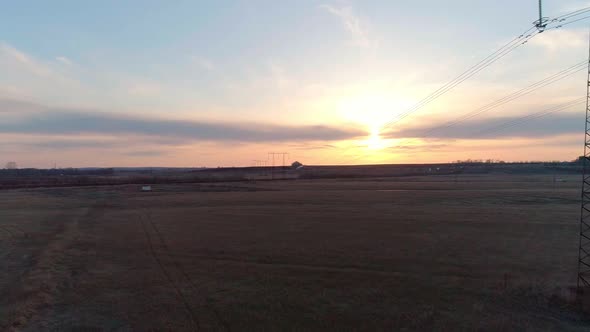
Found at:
<point>441,253</point>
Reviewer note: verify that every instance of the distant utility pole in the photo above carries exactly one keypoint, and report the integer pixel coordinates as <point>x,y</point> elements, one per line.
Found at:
<point>11,165</point>
<point>272,158</point>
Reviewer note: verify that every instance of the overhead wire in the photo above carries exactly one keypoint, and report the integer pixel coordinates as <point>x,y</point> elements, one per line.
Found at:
<point>529,117</point>
<point>567,23</point>
<point>521,120</point>
<point>504,50</point>
<point>492,58</point>
<point>523,38</point>
<point>571,14</point>
<point>551,79</point>
<point>512,96</point>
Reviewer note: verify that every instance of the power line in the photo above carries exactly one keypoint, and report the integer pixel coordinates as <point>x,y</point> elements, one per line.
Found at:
<point>530,117</point>
<point>564,24</point>
<point>487,61</point>
<point>490,59</point>
<point>504,100</point>
<point>571,14</point>
<point>564,18</point>
<point>272,157</point>
<point>526,118</point>
<point>513,96</point>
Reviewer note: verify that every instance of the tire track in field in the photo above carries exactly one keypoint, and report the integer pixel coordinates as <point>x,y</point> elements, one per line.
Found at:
<point>181,269</point>
<point>50,275</point>
<point>9,236</point>
<point>300,266</point>
<point>40,285</point>
<point>13,230</point>
<point>5,235</point>
<point>180,295</point>
<point>7,239</point>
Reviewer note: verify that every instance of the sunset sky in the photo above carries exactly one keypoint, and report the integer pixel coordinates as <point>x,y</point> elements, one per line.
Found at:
<point>222,83</point>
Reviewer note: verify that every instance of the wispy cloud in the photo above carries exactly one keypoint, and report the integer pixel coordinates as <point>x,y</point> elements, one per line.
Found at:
<point>353,24</point>
<point>64,60</point>
<point>421,148</point>
<point>571,7</point>
<point>307,146</point>
<point>26,62</point>
<point>203,63</point>
<point>147,153</point>
<point>562,39</point>
<point>144,88</point>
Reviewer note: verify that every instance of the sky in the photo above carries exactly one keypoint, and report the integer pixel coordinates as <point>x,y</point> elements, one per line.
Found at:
<point>223,83</point>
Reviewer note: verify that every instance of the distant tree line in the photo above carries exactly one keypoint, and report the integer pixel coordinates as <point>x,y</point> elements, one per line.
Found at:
<point>25,172</point>
<point>480,161</point>
<point>497,161</point>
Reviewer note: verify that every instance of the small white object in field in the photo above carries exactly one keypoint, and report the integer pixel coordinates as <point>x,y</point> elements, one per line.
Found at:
<point>146,188</point>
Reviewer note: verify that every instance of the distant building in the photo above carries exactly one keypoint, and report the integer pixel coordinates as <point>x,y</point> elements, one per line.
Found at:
<point>146,188</point>
<point>296,165</point>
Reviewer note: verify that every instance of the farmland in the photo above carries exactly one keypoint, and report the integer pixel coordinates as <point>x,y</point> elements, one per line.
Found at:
<point>446,252</point>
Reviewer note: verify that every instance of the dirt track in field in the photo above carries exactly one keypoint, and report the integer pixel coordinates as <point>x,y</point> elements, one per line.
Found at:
<point>425,253</point>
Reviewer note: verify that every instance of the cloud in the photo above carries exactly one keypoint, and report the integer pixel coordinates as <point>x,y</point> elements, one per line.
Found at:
<point>571,7</point>
<point>23,60</point>
<point>496,128</point>
<point>144,88</point>
<point>352,23</point>
<point>66,144</point>
<point>147,153</point>
<point>203,63</point>
<point>64,60</point>
<point>560,39</point>
<point>74,122</point>
<point>13,106</point>
<point>307,147</point>
<point>428,147</point>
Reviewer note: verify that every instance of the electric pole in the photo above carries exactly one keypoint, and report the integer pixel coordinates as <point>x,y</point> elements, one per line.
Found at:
<point>272,157</point>
<point>584,245</point>
<point>541,24</point>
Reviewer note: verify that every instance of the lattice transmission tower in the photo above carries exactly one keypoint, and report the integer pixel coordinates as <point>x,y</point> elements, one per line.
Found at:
<point>584,246</point>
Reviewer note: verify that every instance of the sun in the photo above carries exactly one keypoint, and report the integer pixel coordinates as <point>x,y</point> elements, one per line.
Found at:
<point>375,141</point>
<point>370,109</point>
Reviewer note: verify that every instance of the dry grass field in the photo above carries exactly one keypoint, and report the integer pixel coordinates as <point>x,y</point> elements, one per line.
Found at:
<point>439,253</point>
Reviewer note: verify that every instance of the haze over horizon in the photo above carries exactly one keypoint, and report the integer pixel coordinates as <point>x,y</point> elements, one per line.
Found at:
<point>223,83</point>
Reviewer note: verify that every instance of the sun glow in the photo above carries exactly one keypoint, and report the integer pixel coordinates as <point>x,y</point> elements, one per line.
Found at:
<point>371,109</point>
<point>375,141</point>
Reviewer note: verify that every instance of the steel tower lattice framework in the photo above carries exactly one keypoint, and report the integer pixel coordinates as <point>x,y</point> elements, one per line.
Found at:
<point>584,246</point>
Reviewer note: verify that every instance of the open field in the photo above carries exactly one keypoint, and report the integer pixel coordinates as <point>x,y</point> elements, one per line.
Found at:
<point>435,253</point>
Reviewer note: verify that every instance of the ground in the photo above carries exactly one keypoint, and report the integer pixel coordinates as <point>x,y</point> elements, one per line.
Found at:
<point>435,253</point>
